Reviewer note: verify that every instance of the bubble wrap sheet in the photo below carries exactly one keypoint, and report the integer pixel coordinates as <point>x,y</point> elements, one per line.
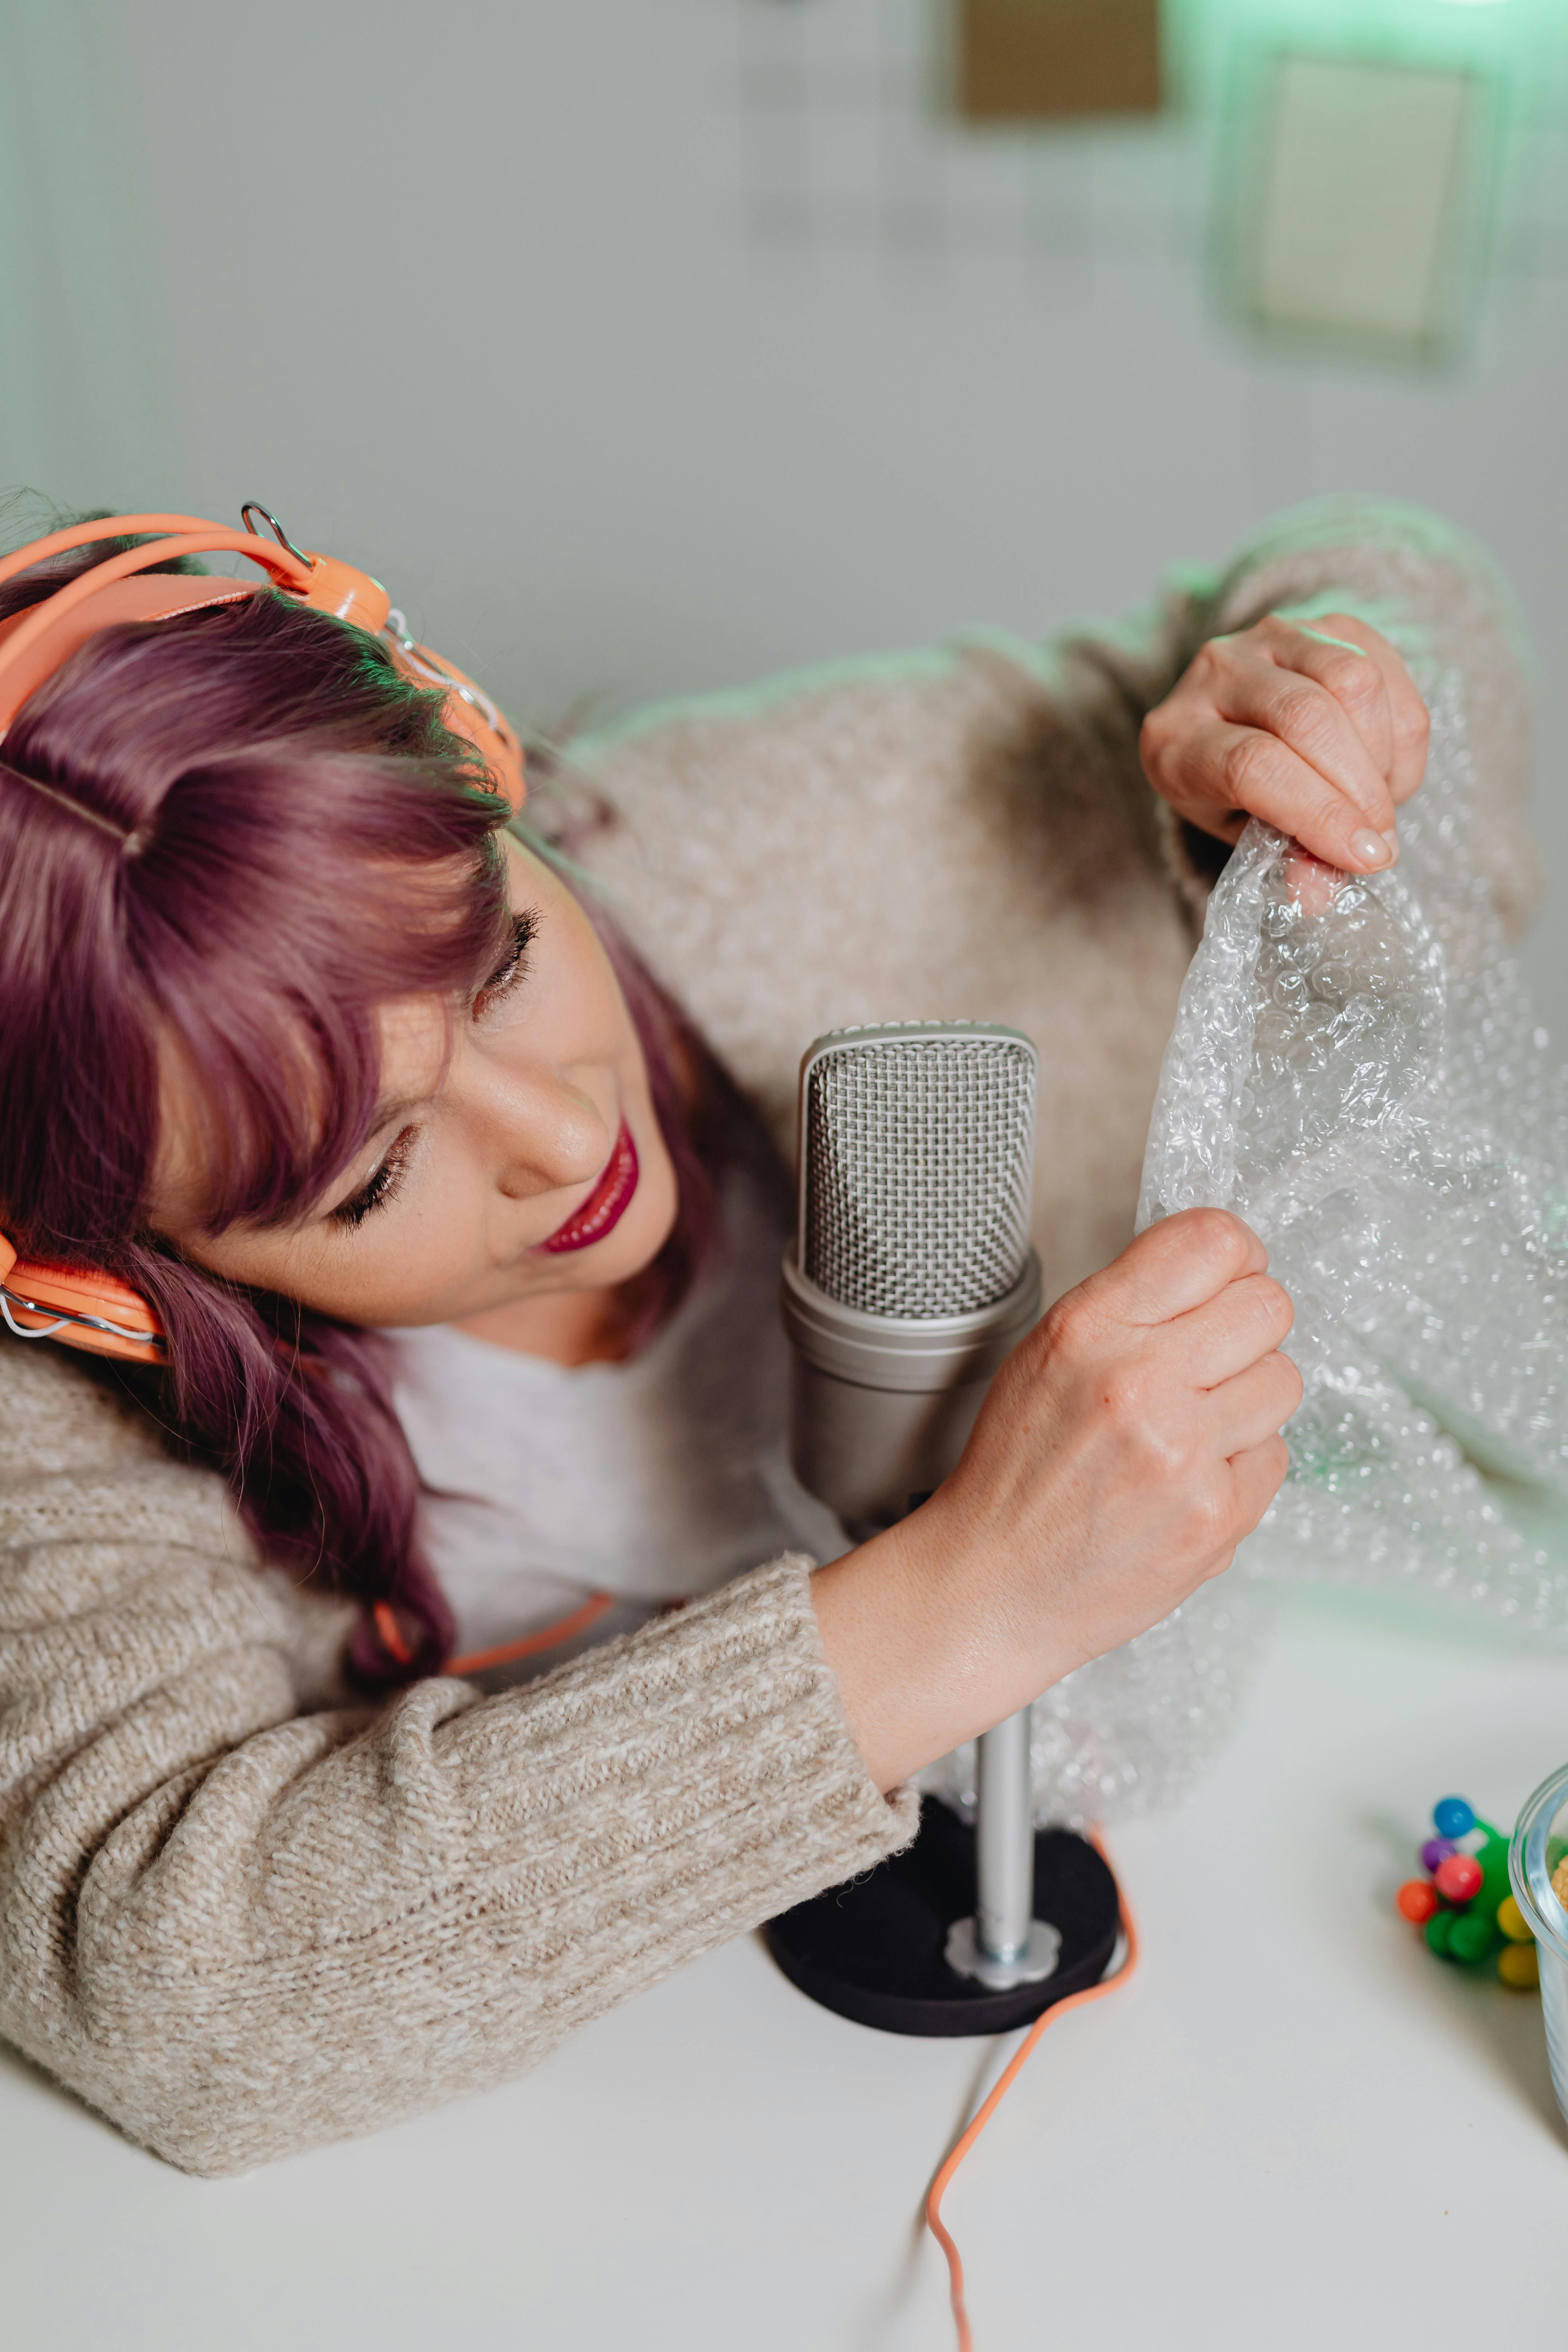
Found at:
<point>1366,1086</point>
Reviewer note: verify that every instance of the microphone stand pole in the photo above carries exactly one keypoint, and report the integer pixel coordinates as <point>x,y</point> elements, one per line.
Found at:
<point>1003,1944</point>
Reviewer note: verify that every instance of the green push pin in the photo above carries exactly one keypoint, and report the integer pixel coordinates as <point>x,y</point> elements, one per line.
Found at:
<point>1437,1930</point>
<point>1472,1937</point>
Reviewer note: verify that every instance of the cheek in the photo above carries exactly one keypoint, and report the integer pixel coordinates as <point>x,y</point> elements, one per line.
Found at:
<point>386,1270</point>
<point>426,1247</point>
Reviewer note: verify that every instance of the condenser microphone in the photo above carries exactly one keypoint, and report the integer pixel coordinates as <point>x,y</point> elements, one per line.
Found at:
<point>911,1276</point>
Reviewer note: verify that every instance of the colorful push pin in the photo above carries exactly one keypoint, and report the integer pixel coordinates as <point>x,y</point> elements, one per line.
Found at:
<point>1452,1817</point>
<point>1511,1919</point>
<point>1464,1909</point>
<point>1519,1965</point>
<point>1492,1856</point>
<point>1437,1930</point>
<point>1457,1878</point>
<point>1471,1936</point>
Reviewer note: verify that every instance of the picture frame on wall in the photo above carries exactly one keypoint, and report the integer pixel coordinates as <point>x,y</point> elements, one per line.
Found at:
<point>1352,203</point>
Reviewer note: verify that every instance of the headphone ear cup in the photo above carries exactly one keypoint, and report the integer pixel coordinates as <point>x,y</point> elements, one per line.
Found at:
<point>91,1310</point>
<point>469,712</point>
<point>497,746</point>
<point>345,592</point>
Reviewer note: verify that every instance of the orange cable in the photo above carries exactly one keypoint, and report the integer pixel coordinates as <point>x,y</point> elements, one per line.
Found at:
<point>477,1660</point>
<point>938,2186</point>
<point>384,1616</point>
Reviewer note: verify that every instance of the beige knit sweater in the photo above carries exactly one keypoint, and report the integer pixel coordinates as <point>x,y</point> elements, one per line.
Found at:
<point>240,1916</point>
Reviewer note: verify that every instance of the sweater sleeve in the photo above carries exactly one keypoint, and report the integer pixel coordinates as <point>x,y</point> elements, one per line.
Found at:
<point>1432,591</point>
<point>240,1929</point>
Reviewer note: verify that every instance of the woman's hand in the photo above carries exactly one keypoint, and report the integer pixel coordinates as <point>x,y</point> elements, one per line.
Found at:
<point>1319,730</point>
<point>1126,1447</point>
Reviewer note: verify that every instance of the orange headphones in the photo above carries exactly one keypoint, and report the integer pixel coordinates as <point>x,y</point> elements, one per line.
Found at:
<point>96,1310</point>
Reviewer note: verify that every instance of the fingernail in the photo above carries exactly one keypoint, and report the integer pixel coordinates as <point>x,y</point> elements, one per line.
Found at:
<point>1392,840</point>
<point>1369,848</point>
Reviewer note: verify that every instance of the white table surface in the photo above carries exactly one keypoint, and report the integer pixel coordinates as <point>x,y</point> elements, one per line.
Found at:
<point>1293,2129</point>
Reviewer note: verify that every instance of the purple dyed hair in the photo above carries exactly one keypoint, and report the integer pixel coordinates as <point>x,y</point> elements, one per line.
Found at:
<point>311,841</point>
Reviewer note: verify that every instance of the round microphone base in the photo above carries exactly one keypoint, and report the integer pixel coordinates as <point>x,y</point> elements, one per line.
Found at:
<point>1032,1963</point>
<point>876,1950</point>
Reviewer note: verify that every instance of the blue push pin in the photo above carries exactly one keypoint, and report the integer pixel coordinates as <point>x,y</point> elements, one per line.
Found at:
<point>1452,1817</point>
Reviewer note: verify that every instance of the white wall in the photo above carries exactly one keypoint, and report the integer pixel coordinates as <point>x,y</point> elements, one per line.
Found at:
<point>506,299</point>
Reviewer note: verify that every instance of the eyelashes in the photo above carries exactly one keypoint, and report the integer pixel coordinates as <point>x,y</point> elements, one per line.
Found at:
<point>381,1186</point>
<point>512,965</point>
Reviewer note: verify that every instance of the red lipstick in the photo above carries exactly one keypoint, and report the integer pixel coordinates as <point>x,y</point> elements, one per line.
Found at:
<point>605,1205</point>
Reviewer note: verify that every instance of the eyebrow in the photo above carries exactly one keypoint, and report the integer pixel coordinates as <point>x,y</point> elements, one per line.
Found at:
<point>385,1112</point>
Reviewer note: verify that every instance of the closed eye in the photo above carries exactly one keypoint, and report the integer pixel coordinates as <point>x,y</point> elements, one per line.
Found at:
<point>381,1185</point>
<point>513,966</point>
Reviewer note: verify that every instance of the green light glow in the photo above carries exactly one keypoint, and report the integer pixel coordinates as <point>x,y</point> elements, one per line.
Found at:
<point>1506,39</point>
<point>1227,59</point>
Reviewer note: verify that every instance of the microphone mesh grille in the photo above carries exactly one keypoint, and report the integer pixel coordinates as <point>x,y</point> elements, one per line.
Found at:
<point>918,1155</point>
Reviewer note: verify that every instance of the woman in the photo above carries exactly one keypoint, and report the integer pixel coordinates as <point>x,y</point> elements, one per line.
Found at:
<point>306,1048</point>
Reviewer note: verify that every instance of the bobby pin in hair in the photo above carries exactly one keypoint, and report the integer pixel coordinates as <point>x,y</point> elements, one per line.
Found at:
<point>131,843</point>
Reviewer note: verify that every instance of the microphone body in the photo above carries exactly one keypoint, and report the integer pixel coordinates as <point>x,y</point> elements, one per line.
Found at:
<point>910,1278</point>
<point>881,1406</point>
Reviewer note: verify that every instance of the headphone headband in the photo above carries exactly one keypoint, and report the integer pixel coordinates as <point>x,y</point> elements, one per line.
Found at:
<point>137,526</point>
<point>34,644</point>
<point>93,1309</point>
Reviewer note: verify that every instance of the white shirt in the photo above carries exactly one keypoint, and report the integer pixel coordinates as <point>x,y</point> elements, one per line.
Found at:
<point>653,1480</point>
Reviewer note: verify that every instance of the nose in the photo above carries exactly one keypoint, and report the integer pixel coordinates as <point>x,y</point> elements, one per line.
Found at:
<point>549,1134</point>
